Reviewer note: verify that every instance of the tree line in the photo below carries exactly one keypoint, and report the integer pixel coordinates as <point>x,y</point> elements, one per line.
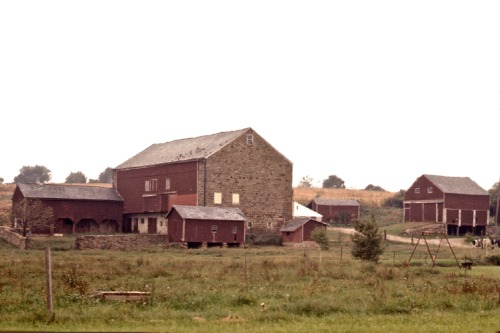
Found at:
<point>41,174</point>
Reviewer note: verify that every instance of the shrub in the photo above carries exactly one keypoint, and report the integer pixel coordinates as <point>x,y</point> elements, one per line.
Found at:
<point>368,242</point>
<point>319,236</point>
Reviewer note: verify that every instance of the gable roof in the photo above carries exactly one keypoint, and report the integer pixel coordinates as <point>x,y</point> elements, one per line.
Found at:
<point>456,185</point>
<point>297,223</point>
<point>302,211</point>
<point>335,202</point>
<point>182,150</point>
<point>208,213</point>
<point>69,192</point>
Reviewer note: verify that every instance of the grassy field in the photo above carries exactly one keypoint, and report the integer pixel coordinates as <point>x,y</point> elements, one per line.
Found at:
<point>259,289</point>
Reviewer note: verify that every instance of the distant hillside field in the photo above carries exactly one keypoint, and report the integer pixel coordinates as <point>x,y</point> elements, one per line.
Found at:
<point>368,198</point>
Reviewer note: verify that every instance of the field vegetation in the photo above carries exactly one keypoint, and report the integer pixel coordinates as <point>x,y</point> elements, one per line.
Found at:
<point>255,289</point>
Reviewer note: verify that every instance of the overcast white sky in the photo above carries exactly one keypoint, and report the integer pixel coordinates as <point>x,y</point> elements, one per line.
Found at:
<point>375,92</point>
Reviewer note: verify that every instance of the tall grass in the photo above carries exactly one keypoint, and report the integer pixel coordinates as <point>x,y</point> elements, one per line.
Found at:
<point>249,290</point>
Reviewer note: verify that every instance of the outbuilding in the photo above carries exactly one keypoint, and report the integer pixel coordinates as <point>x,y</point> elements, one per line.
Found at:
<point>77,208</point>
<point>336,210</point>
<point>299,230</point>
<point>201,226</point>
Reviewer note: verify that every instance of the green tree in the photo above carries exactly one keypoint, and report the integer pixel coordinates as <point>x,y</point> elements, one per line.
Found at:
<point>76,178</point>
<point>368,242</point>
<point>32,215</point>
<point>494,192</point>
<point>33,174</point>
<point>372,187</point>
<point>1,180</point>
<point>396,201</point>
<point>106,176</point>
<point>333,182</point>
<point>319,236</point>
<point>306,182</point>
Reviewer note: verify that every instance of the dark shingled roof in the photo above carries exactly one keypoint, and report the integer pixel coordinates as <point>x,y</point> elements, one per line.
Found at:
<point>456,185</point>
<point>336,202</point>
<point>297,223</point>
<point>209,213</point>
<point>181,150</point>
<point>69,192</point>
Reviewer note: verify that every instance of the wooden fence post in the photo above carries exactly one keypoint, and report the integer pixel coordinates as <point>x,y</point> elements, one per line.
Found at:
<point>48,278</point>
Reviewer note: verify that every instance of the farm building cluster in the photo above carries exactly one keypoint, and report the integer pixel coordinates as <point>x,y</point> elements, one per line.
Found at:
<point>225,188</point>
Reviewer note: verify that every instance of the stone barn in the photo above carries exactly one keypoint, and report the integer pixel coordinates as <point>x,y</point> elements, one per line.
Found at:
<point>236,169</point>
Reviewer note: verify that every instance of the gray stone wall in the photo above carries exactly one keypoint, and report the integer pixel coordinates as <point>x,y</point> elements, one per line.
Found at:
<point>259,174</point>
<point>120,242</point>
<point>13,237</point>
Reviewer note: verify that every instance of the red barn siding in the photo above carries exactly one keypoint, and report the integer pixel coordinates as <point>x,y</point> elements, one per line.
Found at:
<point>200,231</point>
<point>332,213</point>
<point>130,183</point>
<point>302,233</point>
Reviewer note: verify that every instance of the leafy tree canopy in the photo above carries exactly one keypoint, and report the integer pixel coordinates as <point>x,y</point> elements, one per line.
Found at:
<point>76,178</point>
<point>368,243</point>
<point>494,192</point>
<point>106,176</point>
<point>31,214</point>
<point>372,187</point>
<point>33,174</point>
<point>333,182</point>
<point>306,182</point>
<point>1,180</point>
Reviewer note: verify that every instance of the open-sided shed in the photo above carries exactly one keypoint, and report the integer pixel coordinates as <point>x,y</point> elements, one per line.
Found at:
<point>196,226</point>
<point>77,208</point>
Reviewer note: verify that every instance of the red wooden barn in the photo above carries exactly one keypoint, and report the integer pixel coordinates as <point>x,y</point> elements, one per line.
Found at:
<point>458,202</point>
<point>197,226</point>
<point>299,230</point>
<point>77,208</point>
<point>336,210</point>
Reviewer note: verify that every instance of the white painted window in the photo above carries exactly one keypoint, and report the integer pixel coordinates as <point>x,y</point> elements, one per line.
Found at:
<point>214,229</point>
<point>250,139</point>
<point>234,229</point>
<point>217,198</point>
<point>269,225</point>
<point>429,189</point>
<point>167,184</point>
<point>236,198</point>
<point>249,225</point>
<point>417,189</point>
<point>151,185</point>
